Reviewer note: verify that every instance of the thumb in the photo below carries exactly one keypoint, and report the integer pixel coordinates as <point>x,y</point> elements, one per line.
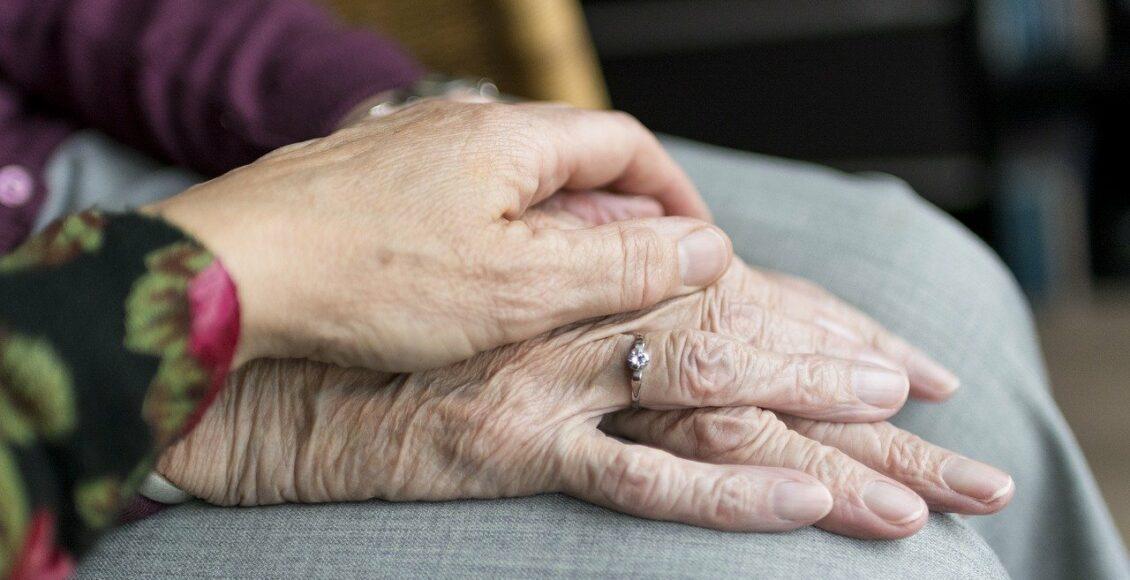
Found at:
<point>618,267</point>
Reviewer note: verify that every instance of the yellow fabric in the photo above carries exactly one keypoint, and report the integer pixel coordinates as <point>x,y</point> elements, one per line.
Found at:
<point>538,49</point>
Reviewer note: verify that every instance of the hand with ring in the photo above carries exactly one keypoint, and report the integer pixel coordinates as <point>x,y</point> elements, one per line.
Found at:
<point>722,397</point>
<point>516,421</point>
<point>780,313</point>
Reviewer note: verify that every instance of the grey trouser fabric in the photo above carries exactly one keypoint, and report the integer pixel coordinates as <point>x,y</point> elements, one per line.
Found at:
<point>867,238</point>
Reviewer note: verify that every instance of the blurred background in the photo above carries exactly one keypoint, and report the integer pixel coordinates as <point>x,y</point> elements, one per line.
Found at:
<point>1008,114</point>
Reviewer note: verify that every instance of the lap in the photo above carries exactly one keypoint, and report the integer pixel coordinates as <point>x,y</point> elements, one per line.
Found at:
<point>542,536</point>
<point>868,239</point>
<point>873,242</point>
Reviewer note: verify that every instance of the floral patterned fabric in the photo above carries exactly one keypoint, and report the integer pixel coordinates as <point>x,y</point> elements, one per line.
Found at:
<point>115,334</point>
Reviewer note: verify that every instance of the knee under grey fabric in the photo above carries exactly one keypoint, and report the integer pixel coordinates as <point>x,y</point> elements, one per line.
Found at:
<point>874,243</point>
<point>868,239</point>
<point>537,537</point>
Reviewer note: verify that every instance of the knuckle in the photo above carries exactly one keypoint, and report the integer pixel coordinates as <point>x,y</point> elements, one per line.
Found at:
<point>725,436</point>
<point>704,367</point>
<point>646,270</point>
<point>820,382</point>
<point>770,442</point>
<point>824,463</point>
<point>631,480</point>
<point>730,501</point>
<point>716,436</point>
<point>907,454</point>
<point>828,464</point>
<point>727,312</point>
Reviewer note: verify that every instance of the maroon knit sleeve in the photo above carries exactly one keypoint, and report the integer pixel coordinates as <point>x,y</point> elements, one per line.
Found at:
<point>207,84</point>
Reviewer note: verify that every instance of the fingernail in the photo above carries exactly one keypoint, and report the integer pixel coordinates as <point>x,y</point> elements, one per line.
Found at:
<point>924,370</point>
<point>797,501</point>
<point>976,480</point>
<point>878,386</point>
<point>892,503</point>
<point>703,254</point>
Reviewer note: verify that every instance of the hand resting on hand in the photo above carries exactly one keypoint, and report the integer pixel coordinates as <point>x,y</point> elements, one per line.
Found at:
<point>733,373</point>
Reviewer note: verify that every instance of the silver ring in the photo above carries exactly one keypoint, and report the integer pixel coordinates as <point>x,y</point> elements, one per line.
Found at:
<point>638,359</point>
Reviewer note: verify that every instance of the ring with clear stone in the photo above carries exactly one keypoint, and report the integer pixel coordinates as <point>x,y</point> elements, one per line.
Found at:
<point>638,359</point>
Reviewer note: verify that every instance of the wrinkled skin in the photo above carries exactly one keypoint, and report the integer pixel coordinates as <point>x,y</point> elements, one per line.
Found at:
<point>399,244</point>
<point>515,421</point>
<point>734,367</point>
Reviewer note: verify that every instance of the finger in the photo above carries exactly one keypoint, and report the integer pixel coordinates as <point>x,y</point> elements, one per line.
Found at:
<point>609,150</point>
<point>947,481</point>
<point>806,301</point>
<point>721,310</point>
<point>650,483</point>
<point>867,504</point>
<point>594,208</point>
<point>700,369</point>
<point>766,329</point>
<point>563,276</point>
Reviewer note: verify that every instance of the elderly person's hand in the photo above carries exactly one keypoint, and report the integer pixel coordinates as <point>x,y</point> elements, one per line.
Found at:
<point>770,310</point>
<point>397,243</point>
<point>523,419</point>
<point>780,313</point>
<point>519,420</point>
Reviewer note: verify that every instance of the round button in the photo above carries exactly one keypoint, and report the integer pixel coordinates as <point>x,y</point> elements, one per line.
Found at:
<point>15,186</point>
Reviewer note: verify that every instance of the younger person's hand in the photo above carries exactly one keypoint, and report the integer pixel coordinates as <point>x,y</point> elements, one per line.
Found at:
<point>399,243</point>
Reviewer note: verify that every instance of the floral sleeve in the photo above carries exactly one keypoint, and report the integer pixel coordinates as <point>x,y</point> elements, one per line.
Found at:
<point>116,333</point>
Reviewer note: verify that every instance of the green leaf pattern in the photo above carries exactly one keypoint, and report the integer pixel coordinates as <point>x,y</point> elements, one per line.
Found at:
<point>60,242</point>
<point>14,509</point>
<point>38,397</point>
<point>39,387</point>
<point>158,323</point>
<point>97,500</point>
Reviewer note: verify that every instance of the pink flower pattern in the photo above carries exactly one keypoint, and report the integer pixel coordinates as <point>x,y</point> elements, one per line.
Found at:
<point>214,328</point>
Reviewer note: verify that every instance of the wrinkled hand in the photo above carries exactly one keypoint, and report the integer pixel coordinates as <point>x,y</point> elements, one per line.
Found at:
<point>772,311</point>
<point>521,420</point>
<point>779,313</point>
<point>398,243</point>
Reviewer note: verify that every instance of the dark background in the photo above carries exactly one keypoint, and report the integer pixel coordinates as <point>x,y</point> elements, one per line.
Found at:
<point>1008,114</point>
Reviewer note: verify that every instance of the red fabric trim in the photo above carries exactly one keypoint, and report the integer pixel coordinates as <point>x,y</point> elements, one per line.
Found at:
<point>214,333</point>
<point>41,558</point>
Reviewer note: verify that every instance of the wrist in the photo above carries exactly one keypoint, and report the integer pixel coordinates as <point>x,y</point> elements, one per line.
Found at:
<point>243,450</point>
<point>281,431</point>
<point>217,296</point>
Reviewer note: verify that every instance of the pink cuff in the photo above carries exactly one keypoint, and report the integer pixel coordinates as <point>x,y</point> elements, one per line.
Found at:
<point>214,332</point>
